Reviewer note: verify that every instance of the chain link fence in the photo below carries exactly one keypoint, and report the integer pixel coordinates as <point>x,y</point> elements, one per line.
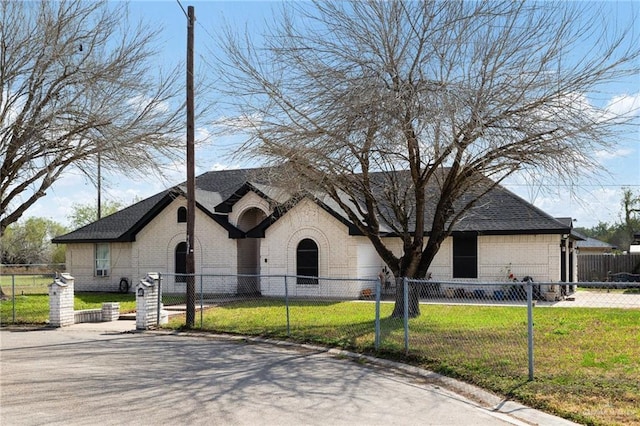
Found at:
<point>25,283</point>
<point>573,339</point>
<point>20,285</point>
<point>333,311</point>
<point>478,325</point>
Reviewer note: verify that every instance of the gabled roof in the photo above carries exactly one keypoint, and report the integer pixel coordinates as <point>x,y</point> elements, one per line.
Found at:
<point>593,243</point>
<point>585,242</point>
<point>211,189</point>
<point>499,211</point>
<point>259,231</point>
<point>122,225</point>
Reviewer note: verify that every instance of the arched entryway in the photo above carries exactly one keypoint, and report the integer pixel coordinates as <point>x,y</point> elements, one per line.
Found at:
<point>249,252</point>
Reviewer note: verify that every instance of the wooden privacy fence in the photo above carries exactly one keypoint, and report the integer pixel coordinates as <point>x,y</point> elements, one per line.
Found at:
<point>596,267</point>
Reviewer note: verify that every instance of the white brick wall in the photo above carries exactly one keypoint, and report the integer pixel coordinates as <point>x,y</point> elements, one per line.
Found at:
<point>537,256</point>
<point>369,264</point>
<point>337,253</point>
<point>154,250</point>
<point>340,255</point>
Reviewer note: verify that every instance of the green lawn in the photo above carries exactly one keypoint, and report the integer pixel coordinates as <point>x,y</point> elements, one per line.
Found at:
<point>34,308</point>
<point>26,284</point>
<point>587,361</point>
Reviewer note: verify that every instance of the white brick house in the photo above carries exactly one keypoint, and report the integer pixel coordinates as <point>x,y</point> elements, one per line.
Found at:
<point>240,231</point>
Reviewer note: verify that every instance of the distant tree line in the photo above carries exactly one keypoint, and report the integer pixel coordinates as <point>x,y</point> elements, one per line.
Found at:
<point>28,242</point>
<point>620,233</point>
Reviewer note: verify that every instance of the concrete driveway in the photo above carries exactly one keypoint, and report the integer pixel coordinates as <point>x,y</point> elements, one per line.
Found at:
<point>90,374</point>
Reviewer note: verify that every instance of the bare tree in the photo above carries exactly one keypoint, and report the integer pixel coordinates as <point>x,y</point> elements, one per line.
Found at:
<point>78,81</point>
<point>399,111</point>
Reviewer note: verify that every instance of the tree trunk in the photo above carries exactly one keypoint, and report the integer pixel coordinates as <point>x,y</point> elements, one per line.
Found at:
<point>3,296</point>
<point>413,306</point>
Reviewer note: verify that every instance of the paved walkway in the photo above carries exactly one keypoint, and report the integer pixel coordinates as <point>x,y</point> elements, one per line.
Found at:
<point>108,373</point>
<point>600,299</point>
<point>579,299</point>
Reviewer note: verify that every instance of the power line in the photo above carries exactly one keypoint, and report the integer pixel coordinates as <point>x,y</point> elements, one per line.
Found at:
<point>565,185</point>
<point>183,11</point>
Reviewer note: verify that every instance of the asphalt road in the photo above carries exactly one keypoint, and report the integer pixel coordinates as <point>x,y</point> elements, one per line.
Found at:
<point>85,376</point>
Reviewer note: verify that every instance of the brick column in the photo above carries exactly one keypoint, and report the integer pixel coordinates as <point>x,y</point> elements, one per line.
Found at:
<point>61,301</point>
<point>147,301</point>
<point>110,311</point>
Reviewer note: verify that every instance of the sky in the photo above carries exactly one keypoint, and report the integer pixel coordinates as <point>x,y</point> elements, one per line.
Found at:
<point>593,202</point>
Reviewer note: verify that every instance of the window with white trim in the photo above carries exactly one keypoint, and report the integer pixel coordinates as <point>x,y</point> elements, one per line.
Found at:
<point>103,259</point>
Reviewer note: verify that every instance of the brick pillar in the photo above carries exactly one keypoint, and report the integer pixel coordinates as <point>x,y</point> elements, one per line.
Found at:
<point>110,311</point>
<point>147,301</point>
<point>61,301</point>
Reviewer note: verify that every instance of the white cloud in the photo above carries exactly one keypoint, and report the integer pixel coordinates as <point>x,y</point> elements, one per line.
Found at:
<point>588,204</point>
<point>625,105</point>
<point>603,155</point>
<point>141,102</point>
<point>10,106</point>
<point>221,166</point>
<point>238,123</point>
<point>203,135</point>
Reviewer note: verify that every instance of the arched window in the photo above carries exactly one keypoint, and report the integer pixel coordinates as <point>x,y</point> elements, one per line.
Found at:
<point>307,261</point>
<point>182,214</point>
<point>181,262</point>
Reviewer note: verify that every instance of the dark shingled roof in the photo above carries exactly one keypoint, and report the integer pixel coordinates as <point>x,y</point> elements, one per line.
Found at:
<point>501,211</point>
<point>593,243</point>
<point>498,212</point>
<point>123,225</point>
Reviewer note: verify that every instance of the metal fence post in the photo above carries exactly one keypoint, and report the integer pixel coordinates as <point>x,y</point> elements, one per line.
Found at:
<point>201,302</point>
<point>405,289</point>
<point>377,322</point>
<point>286,303</point>
<point>529,285</point>
<point>13,296</point>
<point>159,303</point>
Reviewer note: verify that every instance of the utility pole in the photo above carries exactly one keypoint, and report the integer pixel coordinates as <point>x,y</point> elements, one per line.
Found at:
<point>191,202</point>
<point>99,185</point>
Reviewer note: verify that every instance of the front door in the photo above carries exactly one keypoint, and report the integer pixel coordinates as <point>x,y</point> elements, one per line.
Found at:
<point>249,253</point>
